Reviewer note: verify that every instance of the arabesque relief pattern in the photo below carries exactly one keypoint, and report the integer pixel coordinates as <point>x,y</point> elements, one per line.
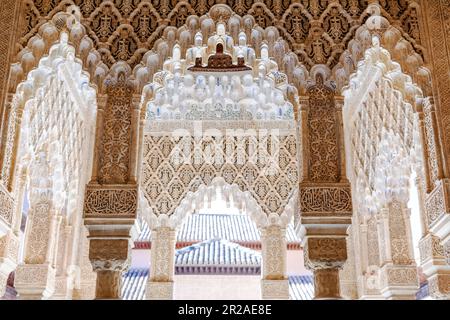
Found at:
<point>317,31</point>
<point>127,42</point>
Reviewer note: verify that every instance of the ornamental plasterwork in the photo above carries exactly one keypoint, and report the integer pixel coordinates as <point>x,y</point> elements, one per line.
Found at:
<point>147,59</point>
<point>381,114</point>
<point>317,31</point>
<point>190,138</point>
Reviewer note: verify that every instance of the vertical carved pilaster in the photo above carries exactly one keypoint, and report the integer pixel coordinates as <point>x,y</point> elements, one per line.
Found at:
<point>324,192</point>
<point>162,265</point>
<point>398,274</point>
<point>117,133</point>
<point>35,277</point>
<point>9,12</point>
<point>85,285</point>
<point>436,16</point>
<point>274,283</point>
<point>101,105</point>
<point>437,124</point>
<point>110,205</point>
<point>348,275</point>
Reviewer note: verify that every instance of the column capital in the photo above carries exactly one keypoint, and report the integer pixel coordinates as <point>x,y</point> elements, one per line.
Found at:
<point>325,252</point>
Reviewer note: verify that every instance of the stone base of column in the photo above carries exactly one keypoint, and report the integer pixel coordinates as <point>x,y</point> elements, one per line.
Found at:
<point>34,282</point>
<point>159,290</point>
<point>399,282</point>
<point>275,289</point>
<point>108,285</point>
<point>326,284</point>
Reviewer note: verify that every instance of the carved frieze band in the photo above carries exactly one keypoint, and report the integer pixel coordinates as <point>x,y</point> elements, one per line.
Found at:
<point>326,200</point>
<point>403,275</point>
<point>110,201</point>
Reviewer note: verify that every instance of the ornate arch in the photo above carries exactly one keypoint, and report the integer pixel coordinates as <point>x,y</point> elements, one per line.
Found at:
<point>193,201</point>
<point>61,51</point>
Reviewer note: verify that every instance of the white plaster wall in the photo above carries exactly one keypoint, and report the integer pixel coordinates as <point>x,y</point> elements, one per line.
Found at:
<point>217,287</point>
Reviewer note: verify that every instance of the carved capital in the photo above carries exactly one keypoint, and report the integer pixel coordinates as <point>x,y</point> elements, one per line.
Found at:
<point>325,253</point>
<point>111,201</point>
<point>109,254</point>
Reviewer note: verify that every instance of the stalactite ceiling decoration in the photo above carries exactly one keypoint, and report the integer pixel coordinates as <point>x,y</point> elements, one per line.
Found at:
<point>317,31</point>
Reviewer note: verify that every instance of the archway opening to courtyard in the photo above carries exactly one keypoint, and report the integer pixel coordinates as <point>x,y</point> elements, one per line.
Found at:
<point>221,116</point>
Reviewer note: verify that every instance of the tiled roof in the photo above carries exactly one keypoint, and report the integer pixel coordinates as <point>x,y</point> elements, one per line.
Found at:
<point>135,280</point>
<point>301,287</point>
<point>201,227</point>
<point>217,256</point>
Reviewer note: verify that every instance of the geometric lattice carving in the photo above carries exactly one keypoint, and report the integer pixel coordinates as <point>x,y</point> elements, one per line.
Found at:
<point>167,175</point>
